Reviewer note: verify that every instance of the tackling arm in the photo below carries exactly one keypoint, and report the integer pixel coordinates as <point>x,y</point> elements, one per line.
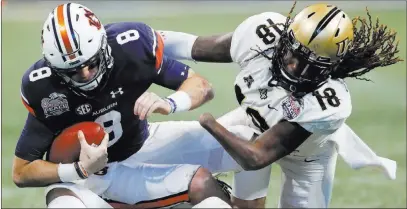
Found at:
<point>275,143</point>
<point>214,48</point>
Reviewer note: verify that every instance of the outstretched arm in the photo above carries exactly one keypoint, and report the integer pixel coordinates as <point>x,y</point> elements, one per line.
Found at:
<point>212,48</point>
<point>179,45</point>
<point>275,143</point>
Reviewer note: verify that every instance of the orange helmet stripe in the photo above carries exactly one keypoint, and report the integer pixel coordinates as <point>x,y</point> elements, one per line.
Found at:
<point>63,31</point>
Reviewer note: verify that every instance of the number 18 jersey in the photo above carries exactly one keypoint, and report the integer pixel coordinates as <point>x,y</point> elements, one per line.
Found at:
<point>321,112</point>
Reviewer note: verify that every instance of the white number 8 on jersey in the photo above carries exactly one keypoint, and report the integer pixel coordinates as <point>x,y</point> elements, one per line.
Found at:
<point>111,122</point>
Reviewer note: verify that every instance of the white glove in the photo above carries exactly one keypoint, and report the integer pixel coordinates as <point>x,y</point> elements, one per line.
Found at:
<point>92,158</point>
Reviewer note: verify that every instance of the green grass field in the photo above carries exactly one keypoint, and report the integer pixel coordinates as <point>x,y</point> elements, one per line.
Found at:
<point>379,110</point>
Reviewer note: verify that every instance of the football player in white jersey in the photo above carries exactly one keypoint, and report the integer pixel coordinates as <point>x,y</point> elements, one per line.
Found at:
<point>291,91</point>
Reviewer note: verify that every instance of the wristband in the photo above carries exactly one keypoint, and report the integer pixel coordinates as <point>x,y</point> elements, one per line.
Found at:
<point>69,172</point>
<point>80,170</point>
<point>172,104</point>
<point>180,101</point>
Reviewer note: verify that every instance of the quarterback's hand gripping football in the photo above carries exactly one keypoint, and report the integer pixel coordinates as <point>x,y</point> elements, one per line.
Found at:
<point>150,102</point>
<point>92,158</point>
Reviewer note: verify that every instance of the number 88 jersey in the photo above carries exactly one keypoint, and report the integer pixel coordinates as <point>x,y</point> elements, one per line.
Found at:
<point>321,112</point>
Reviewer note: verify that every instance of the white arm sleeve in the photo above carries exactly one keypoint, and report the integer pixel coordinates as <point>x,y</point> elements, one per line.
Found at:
<point>178,45</point>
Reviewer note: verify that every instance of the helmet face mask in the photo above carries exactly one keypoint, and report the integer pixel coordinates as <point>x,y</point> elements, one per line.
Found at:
<point>299,64</point>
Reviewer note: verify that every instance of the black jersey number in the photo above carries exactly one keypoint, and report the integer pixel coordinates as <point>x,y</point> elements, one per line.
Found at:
<point>329,96</point>
<point>257,120</point>
<point>265,33</point>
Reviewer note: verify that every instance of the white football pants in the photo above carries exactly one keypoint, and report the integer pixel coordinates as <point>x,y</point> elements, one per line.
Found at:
<point>164,167</point>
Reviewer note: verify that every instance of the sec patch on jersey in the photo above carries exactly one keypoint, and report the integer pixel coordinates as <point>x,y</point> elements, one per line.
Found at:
<point>66,146</point>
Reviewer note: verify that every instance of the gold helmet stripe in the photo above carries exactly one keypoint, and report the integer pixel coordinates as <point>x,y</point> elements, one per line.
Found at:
<point>324,22</point>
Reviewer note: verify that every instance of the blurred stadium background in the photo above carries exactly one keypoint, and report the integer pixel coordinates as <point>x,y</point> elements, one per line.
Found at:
<point>379,107</point>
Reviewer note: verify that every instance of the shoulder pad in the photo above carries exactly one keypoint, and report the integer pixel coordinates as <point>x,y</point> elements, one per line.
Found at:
<point>136,41</point>
<point>323,111</point>
<point>258,32</point>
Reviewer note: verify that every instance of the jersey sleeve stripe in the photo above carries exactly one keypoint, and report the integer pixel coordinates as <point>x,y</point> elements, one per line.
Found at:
<point>159,52</point>
<point>29,108</point>
<point>26,103</point>
<point>23,97</point>
<point>154,41</point>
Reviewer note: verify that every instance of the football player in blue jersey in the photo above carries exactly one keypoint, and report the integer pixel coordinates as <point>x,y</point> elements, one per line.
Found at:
<point>95,72</point>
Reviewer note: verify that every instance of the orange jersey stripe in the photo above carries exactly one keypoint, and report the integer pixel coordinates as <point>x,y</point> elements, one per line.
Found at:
<point>30,109</point>
<point>159,51</point>
<point>63,31</point>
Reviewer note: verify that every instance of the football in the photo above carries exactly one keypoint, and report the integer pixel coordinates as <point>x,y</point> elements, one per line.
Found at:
<point>66,146</point>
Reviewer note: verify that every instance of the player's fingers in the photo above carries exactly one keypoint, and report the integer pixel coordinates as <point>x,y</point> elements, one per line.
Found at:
<point>153,107</point>
<point>139,102</point>
<point>142,103</point>
<point>82,139</point>
<point>147,105</point>
<point>105,141</point>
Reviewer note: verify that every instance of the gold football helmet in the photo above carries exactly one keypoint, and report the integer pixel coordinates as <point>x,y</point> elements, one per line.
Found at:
<point>313,44</point>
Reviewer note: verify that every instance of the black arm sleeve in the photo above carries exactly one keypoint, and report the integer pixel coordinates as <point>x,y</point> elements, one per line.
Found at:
<point>34,141</point>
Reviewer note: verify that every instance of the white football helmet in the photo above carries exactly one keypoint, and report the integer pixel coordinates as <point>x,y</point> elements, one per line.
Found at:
<point>73,38</point>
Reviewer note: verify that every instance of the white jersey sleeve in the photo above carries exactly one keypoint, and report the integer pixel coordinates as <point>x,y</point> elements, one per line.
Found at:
<point>258,32</point>
<point>322,112</point>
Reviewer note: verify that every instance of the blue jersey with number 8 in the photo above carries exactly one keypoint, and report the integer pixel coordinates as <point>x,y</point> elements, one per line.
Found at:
<point>137,51</point>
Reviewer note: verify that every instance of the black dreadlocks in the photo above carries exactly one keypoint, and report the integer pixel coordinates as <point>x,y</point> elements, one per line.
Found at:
<point>373,46</point>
